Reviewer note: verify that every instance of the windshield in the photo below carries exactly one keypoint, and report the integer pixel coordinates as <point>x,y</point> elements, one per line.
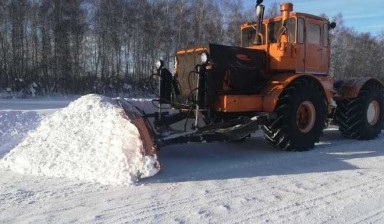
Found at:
<point>248,36</point>
<point>275,30</point>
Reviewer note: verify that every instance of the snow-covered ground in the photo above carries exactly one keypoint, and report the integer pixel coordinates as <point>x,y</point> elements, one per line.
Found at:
<point>340,181</point>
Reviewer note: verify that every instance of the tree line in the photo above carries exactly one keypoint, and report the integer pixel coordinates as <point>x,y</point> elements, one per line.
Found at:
<point>356,54</point>
<point>82,46</point>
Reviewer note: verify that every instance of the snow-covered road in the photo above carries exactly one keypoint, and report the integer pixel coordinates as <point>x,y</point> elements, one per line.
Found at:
<point>340,181</point>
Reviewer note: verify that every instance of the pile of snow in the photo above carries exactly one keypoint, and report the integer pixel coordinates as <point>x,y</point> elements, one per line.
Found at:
<point>90,140</point>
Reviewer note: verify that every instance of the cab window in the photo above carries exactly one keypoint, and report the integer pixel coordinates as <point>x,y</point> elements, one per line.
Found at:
<point>248,36</point>
<point>300,30</point>
<point>313,35</point>
<point>275,30</point>
<point>290,24</point>
<point>325,35</point>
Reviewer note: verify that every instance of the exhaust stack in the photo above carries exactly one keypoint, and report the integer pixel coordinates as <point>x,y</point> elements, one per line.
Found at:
<point>259,20</point>
<point>285,9</point>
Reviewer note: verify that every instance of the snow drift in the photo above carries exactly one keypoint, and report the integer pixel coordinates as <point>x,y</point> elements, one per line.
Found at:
<point>90,140</point>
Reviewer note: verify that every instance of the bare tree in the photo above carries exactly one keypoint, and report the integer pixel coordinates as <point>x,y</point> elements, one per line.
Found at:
<point>82,46</point>
<point>273,10</point>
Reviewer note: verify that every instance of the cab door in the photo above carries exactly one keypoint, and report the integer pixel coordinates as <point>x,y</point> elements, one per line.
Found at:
<point>314,47</point>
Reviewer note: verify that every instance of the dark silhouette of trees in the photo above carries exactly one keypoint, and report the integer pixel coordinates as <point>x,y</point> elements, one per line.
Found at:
<point>82,46</point>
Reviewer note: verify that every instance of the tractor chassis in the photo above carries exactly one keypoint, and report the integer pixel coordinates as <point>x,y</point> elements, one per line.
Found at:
<point>229,130</point>
<point>158,126</point>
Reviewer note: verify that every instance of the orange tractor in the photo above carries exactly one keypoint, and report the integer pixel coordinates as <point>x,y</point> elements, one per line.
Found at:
<point>278,79</point>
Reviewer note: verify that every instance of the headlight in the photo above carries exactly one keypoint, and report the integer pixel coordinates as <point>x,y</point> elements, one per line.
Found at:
<point>204,58</point>
<point>159,64</point>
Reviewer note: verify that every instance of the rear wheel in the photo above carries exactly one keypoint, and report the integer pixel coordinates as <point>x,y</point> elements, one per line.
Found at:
<point>362,118</point>
<point>301,112</point>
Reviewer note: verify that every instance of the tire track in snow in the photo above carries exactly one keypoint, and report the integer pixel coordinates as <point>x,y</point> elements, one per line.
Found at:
<point>221,191</point>
<point>161,208</point>
<point>376,216</point>
<point>283,156</point>
<point>308,204</point>
<point>192,202</point>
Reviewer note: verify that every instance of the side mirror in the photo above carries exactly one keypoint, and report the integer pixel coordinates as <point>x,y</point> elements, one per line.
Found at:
<point>332,25</point>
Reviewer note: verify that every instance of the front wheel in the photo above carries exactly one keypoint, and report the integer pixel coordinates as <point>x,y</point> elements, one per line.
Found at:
<point>301,113</point>
<point>362,118</point>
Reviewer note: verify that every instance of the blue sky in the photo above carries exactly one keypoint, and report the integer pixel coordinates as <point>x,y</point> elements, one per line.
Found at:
<point>363,16</point>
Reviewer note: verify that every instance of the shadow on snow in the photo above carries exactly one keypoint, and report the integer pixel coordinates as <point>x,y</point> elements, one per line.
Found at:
<point>255,158</point>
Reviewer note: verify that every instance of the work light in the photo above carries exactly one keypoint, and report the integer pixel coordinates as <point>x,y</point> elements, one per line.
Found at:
<point>204,58</point>
<point>159,64</point>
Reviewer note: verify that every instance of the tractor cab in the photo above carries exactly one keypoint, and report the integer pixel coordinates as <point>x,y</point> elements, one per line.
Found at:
<point>294,42</point>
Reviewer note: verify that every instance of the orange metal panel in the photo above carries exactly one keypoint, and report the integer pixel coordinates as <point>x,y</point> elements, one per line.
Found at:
<point>282,56</point>
<point>239,103</point>
<point>275,87</point>
<point>266,101</point>
<point>192,50</point>
<point>327,82</point>
<point>269,103</point>
<point>351,87</point>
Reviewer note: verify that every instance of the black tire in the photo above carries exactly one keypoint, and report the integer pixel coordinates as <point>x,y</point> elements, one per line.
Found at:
<point>284,132</point>
<point>352,115</point>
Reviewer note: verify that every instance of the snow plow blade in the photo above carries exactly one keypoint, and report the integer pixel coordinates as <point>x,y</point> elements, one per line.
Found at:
<point>146,137</point>
<point>137,118</point>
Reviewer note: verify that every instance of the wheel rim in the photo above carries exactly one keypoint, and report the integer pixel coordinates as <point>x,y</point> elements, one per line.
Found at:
<point>305,117</point>
<point>373,112</point>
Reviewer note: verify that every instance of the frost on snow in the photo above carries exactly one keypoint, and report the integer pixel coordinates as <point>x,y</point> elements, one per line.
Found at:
<point>88,140</point>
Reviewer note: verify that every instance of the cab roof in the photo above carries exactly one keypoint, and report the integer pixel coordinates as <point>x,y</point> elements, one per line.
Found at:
<point>292,14</point>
